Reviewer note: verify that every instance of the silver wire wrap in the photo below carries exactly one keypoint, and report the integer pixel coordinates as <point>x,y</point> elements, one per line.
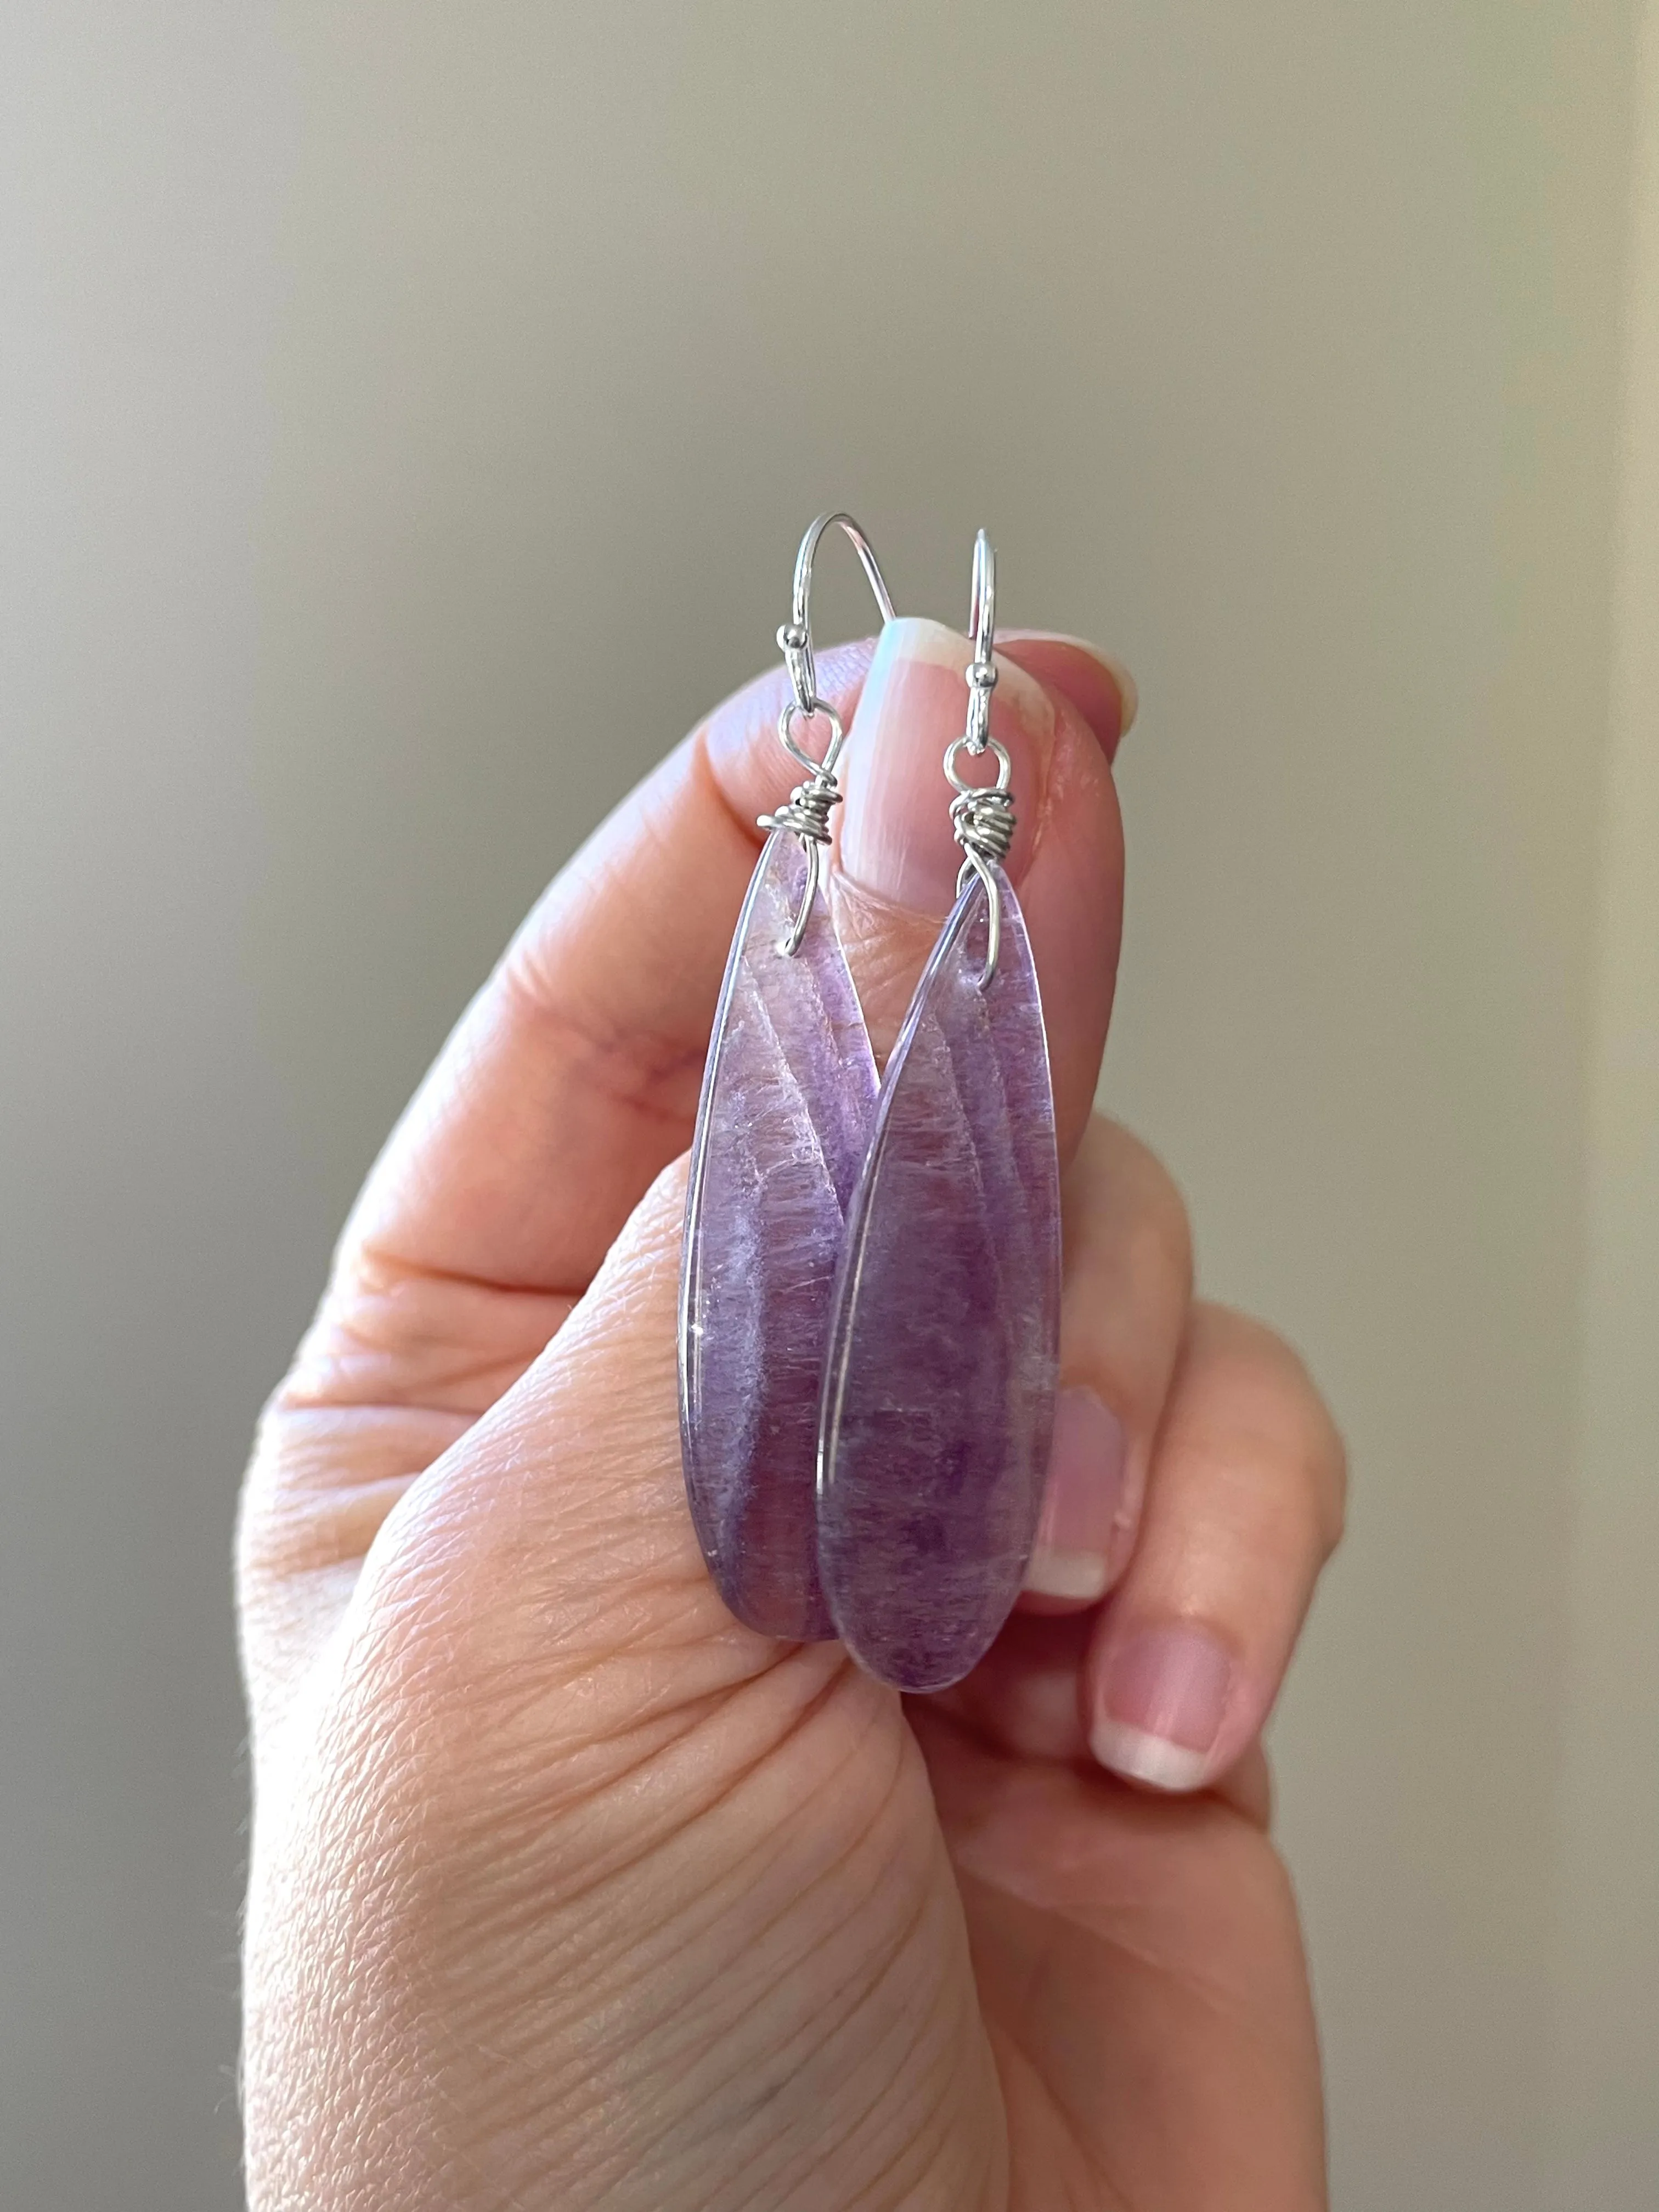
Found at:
<point>984,824</point>
<point>806,813</point>
<point>983,815</point>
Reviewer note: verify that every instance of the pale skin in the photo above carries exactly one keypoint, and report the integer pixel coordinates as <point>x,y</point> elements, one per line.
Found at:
<point>569,1891</point>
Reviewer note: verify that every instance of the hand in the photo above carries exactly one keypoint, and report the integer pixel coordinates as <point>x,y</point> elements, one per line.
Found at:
<point>569,1891</point>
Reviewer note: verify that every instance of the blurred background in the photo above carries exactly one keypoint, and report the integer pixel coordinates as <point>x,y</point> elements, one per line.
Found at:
<point>408,413</point>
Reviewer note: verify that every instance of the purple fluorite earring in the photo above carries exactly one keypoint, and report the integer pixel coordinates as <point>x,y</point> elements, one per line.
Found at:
<point>939,1380</point>
<point>788,1101</point>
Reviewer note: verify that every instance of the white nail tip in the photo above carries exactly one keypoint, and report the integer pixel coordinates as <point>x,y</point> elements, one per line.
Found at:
<point>915,637</point>
<point>1152,1759</point>
<point>918,638</point>
<point>1081,1576</point>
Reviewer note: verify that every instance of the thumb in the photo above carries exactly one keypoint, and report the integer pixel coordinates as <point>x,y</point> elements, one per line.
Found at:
<point>544,1570</point>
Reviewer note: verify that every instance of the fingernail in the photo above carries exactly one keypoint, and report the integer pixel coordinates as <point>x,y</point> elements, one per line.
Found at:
<point>1072,1556</point>
<point>896,835</point>
<point>1160,1705</point>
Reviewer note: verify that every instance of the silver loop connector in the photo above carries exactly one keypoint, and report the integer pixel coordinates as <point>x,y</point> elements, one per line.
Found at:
<point>806,814</point>
<point>983,815</point>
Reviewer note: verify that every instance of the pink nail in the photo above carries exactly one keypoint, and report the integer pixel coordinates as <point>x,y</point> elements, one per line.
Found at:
<point>1160,1705</point>
<point>896,837</point>
<point>1072,1556</point>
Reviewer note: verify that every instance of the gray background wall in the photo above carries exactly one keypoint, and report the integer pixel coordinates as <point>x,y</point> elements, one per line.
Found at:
<point>407,414</point>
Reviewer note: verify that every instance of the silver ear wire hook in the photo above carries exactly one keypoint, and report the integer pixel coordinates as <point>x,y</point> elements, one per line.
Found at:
<point>806,814</point>
<point>982,629</point>
<point>795,636</point>
<point>983,815</point>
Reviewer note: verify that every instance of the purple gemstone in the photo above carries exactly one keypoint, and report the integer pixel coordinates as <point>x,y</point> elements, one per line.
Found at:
<point>788,1100</point>
<point>938,1391</point>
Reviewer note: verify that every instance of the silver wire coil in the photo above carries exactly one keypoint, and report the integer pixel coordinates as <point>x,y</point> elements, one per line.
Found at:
<point>984,824</point>
<point>805,812</point>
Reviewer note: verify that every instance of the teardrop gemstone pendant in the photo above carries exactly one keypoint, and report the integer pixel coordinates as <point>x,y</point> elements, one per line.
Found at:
<point>784,1121</point>
<point>940,1384</point>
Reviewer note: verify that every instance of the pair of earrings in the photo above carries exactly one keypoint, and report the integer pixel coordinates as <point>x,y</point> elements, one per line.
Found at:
<point>870,1283</point>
